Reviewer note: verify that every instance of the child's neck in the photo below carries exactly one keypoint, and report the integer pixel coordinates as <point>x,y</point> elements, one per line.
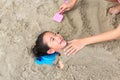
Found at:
<point>61,50</point>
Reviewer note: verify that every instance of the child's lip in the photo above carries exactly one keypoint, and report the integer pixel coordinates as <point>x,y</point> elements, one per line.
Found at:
<point>61,41</point>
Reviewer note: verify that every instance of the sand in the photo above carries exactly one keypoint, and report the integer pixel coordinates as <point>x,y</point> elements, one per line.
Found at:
<point>21,21</point>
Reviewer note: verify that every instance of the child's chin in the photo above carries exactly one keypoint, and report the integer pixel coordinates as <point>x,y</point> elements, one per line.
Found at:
<point>64,43</point>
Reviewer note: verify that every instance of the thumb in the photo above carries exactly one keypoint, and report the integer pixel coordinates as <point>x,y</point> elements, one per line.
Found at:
<point>70,41</point>
<point>62,9</point>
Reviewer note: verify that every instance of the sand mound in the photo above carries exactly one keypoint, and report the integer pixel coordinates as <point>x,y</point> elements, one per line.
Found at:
<point>21,21</point>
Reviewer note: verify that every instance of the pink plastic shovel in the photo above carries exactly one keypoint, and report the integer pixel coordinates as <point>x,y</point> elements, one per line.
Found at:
<point>58,17</point>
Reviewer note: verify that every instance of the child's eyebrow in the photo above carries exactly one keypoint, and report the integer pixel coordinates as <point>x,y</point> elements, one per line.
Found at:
<point>50,39</point>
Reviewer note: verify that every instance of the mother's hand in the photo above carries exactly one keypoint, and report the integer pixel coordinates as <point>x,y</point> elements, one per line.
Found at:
<point>74,46</point>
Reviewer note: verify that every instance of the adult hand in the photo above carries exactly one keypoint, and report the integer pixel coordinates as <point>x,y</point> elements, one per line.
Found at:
<point>66,7</point>
<point>74,46</point>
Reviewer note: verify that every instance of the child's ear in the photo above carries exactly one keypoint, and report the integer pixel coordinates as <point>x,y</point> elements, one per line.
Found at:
<point>50,51</point>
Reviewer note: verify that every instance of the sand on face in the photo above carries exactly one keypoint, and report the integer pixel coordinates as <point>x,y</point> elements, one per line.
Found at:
<point>21,21</point>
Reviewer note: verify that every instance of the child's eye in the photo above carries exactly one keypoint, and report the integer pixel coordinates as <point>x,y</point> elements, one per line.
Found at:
<point>53,39</point>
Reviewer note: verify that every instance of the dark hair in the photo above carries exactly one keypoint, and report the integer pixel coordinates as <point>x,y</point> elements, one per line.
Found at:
<point>40,49</point>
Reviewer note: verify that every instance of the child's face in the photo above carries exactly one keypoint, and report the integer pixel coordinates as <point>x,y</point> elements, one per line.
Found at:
<point>54,41</point>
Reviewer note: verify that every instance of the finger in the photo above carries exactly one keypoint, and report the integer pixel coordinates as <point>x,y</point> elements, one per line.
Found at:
<point>110,11</point>
<point>68,50</point>
<point>71,52</point>
<point>67,9</point>
<point>75,52</point>
<point>62,9</point>
<point>70,41</point>
<point>68,47</point>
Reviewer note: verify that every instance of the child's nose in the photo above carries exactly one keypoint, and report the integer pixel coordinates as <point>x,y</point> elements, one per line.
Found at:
<point>57,38</point>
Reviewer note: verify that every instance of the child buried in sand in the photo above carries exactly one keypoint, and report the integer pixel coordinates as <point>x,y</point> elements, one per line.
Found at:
<point>48,46</point>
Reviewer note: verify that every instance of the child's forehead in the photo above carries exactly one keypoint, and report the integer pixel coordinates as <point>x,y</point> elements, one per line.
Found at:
<point>47,36</point>
<point>49,33</point>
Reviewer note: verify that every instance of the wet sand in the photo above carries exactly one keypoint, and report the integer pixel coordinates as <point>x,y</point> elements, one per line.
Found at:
<point>21,21</point>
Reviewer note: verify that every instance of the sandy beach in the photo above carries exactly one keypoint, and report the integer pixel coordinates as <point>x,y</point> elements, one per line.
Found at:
<point>21,21</point>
